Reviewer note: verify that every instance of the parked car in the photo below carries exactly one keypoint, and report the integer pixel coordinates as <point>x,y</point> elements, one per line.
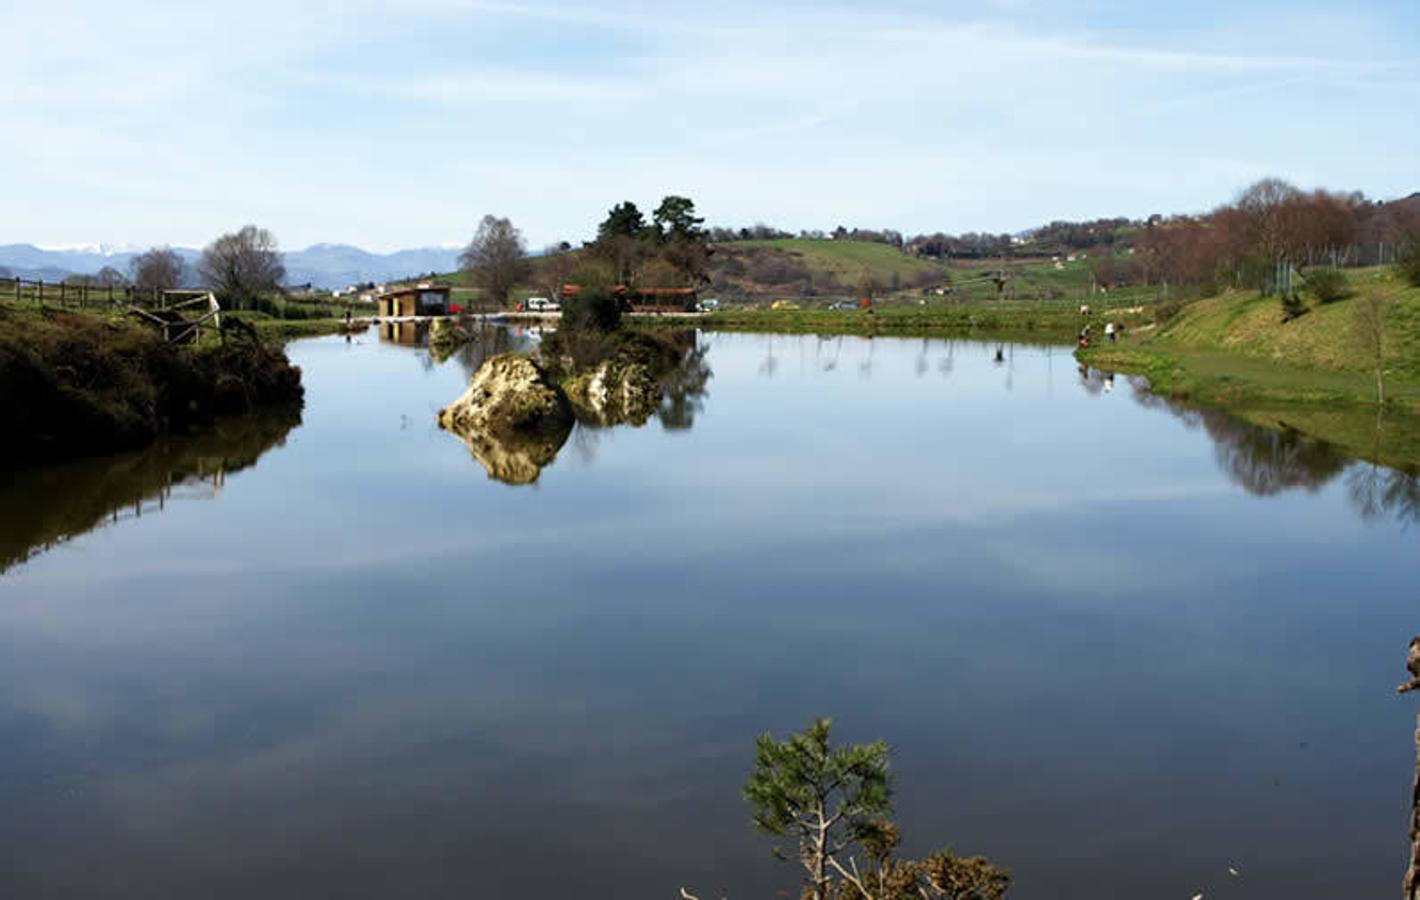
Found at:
<point>710,304</point>
<point>542,304</point>
<point>843,304</point>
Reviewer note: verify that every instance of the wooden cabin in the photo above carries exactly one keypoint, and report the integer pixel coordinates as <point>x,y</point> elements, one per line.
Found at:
<point>423,299</point>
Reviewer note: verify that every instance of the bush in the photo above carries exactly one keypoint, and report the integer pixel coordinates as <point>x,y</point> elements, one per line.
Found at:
<point>592,309</point>
<point>1327,284</point>
<point>1408,263</point>
<point>1292,307</point>
<point>1167,311</point>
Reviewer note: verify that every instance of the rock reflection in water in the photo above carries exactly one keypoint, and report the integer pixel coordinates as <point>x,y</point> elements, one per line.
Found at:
<point>633,379</point>
<point>513,458</point>
<point>53,504</point>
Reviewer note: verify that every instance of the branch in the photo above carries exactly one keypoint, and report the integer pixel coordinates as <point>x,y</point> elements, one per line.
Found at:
<point>853,877</point>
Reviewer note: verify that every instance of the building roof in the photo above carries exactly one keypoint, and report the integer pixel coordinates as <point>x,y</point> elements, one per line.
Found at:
<point>421,288</point>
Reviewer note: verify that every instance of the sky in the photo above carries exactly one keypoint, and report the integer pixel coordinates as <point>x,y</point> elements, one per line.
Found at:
<point>391,125</point>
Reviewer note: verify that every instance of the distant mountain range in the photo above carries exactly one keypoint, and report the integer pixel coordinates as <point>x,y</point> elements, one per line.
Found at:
<point>326,266</point>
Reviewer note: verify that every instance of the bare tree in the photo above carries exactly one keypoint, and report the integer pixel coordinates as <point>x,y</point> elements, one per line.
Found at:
<point>1266,206</point>
<point>495,258</point>
<point>160,269</point>
<point>557,265</point>
<point>242,266</point>
<point>109,277</point>
<point>1370,316</point>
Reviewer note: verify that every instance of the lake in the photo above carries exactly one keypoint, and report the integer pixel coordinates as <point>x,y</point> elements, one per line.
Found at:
<point>1117,647</point>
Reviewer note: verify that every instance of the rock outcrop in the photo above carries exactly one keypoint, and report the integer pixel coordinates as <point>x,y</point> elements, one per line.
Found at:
<point>616,392</point>
<point>446,336</point>
<point>513,417</point>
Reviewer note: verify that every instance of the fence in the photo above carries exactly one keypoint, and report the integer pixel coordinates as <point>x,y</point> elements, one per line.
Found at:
<point>168,311</point>
<point>84,295</point>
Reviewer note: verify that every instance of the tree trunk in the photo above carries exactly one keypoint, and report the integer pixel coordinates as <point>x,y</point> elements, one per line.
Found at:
<point>1412,874</point>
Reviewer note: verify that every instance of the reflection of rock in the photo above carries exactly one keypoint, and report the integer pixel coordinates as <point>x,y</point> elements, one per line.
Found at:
<point>445,337</point>
<point>513,417</point>
<point>514,458</point>
<point>616,392</point>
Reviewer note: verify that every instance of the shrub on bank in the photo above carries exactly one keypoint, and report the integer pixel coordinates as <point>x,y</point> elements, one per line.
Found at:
<point>1409,261</point>
<point>1327,284</point>
<point>1293,307</point>
<point>592,309</point>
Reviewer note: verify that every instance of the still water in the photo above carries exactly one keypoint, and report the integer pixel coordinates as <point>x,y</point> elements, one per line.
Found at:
<point>1115,647</point>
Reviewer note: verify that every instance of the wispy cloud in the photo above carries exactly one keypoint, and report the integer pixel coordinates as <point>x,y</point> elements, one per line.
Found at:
<point>990,116</point>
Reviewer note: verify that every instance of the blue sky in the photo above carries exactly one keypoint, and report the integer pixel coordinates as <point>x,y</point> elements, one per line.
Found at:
<point>400,124</point>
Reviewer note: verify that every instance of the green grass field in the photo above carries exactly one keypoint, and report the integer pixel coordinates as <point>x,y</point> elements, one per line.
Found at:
<point>846,260</point>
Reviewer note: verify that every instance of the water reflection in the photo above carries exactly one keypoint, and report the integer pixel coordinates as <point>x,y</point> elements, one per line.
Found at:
<point>332,705</point>
<point>517,458</point>
<point>1378,492</point>
<point>43,507</point>
<point>1266,461</point>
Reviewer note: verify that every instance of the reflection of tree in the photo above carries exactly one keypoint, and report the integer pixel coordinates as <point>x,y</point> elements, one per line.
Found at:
<point>1263,461</point>
<point>1377,491</point>
<point>684,391</point>
<point>42,507</point>
<point>1266,461</point>
<point>948,362</point>
<point>490,340</point>
<point>770,365</point>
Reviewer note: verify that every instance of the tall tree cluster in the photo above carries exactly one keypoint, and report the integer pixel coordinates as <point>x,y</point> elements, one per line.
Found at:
<point>673,247</point>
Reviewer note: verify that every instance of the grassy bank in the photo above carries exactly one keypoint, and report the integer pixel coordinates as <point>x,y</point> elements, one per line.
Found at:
<point>1045,321</point>
<point>1236,350</point>
<point>1310,374</point>
<point>86,383</point>
<point>282,330</point>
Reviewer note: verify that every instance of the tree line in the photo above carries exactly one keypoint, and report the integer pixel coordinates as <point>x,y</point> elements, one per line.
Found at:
<point>243,268</point>
<point>1271,227</point>
<point>670,249</point>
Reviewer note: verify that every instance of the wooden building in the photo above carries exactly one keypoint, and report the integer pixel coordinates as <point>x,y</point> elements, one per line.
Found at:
<point>423,299</point>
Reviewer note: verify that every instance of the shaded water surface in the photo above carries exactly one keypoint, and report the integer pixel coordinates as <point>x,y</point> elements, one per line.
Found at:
<point>1116,647</point>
